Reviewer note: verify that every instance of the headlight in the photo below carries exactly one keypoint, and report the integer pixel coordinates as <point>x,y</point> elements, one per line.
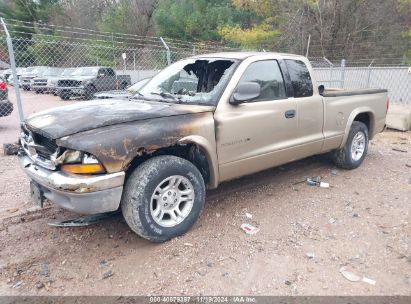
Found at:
<point>80,163</point>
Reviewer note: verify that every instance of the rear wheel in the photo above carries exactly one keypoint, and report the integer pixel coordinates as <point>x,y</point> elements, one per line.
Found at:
<point>353,153</point>
<point>163,198</point>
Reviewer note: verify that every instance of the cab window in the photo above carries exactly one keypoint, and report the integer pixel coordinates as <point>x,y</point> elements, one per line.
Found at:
<point>300,78</point>
<point>268,75</point>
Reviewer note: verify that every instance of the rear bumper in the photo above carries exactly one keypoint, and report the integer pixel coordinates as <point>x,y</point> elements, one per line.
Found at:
<point>78,193</point>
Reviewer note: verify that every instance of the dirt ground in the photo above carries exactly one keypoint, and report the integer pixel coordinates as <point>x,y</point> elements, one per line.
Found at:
<point>307,234</point>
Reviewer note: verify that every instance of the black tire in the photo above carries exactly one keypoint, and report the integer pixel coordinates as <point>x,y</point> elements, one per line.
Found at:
<point>140,186</point>
<point>90,91</point>
<point>64,96</point>
<point>343,157</point>
<point>123,85</point>
<point>37,91</point>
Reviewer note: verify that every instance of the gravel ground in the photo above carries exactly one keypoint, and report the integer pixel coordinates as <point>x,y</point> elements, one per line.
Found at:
<point>307,234</point>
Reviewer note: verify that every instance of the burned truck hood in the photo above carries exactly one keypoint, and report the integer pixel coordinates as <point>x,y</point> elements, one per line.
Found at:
<point>67,120</point>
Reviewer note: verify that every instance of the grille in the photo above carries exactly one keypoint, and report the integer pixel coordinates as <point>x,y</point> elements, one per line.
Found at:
<point>47,143</point>
<point>68,83</point>
<point>40,82</point>
<point>44,146</point>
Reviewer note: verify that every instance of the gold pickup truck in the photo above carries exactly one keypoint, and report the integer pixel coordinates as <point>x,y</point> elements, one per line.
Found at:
<point>201,121</point>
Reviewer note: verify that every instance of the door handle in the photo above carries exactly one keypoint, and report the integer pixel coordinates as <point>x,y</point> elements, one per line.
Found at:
<point>289,114</point>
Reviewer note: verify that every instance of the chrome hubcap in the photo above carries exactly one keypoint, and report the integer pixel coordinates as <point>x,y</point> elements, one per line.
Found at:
<point>172,201</point>
<point>358,146</point>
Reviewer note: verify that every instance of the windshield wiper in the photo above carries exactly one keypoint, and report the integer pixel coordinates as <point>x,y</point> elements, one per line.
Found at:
<point>169,95</point>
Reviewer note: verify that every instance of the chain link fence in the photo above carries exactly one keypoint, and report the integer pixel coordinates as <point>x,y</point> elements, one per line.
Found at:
<point>82,65</point>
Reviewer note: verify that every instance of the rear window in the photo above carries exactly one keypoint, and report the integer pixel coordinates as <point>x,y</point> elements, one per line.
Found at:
<point>300,78</point>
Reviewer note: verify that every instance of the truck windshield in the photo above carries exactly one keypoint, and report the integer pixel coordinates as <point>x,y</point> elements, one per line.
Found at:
<point>53,72</point>
<point>195,80</point>
<point>85,72</point>
<point>67,72</point>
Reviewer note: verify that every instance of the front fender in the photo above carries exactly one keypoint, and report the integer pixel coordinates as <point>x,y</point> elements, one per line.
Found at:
<point>209,150</point>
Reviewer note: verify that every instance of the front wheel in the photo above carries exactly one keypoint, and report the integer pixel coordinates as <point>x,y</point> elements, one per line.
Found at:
<point>353,153</point>
<point>90,91</point>
<point>163,198</point>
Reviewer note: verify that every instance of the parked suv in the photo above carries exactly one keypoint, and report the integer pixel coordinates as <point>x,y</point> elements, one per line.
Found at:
<point>41,84</point>
<point>26,79</point>
<point>86,81</point>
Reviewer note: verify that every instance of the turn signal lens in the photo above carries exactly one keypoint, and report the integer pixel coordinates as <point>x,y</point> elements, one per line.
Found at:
<point>83,168</point>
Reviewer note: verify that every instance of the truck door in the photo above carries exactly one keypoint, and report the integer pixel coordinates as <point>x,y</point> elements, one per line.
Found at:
<point>259,133</point>
<point>111,80</point>
<point>101,81</point>
<point>309,107</point>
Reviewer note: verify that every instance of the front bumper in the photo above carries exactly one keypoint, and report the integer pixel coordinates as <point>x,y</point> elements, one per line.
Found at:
<point>73,91</point>
<point>78,193</point>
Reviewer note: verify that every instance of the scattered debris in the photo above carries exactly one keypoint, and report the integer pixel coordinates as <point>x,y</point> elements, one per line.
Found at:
<point>104,263</point>
<point>334,171</point>
<point>369,281</point>
<point>86,220</point>
<point>287,282</point>
<point>217,215</point>
<point>40,285</point>
<point>310,255</point>
<point>355,278</point>
<point>17,284</point>
<point>108,274</point>
<point>399,150</point>
<point>248,215</point>
<point>10,149</point>
<point>13,210</point>
<point>249,229</point>
<point>312,182</point>
<point>45,270</point>
<point>408,165</point>
<point>316,182</point>
<point>332,220</point>
<point>188,245</point>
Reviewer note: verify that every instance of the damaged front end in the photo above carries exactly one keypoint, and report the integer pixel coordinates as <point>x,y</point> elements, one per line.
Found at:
<point>87,192</point>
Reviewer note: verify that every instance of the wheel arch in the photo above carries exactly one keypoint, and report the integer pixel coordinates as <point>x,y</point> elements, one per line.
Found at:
<point>365,115</point>
<point>195,149</point>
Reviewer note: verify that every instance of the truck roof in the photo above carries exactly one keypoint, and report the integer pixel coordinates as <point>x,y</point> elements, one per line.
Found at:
<point>241,55</point>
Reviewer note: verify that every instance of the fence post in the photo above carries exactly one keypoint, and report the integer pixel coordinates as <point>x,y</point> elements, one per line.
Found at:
<point>369,74</point>
<point>13,70</point>
<point>134,59</point>
<point>331,70</point>
<point>342,73</point>
<point>168,51</point>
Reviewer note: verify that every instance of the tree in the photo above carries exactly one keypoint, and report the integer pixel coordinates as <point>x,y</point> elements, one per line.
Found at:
<point>130,17</point>
<point>28,12</point>
<point>193,19</point>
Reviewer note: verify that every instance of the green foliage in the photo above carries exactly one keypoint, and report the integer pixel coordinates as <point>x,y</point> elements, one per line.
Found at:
<point>28,11</point>
<point>193,19</point>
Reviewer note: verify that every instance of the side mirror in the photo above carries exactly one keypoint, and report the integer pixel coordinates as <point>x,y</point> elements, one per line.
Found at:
<point>321,89</point>
<point>245,91</point>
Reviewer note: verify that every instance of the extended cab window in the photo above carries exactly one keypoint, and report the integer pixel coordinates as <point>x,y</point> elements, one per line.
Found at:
<point>268,75</point>
<point>110,72</point>
<point>300,78</point>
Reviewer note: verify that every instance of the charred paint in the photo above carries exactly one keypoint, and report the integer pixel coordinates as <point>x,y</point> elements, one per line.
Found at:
<point>117,145</point>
